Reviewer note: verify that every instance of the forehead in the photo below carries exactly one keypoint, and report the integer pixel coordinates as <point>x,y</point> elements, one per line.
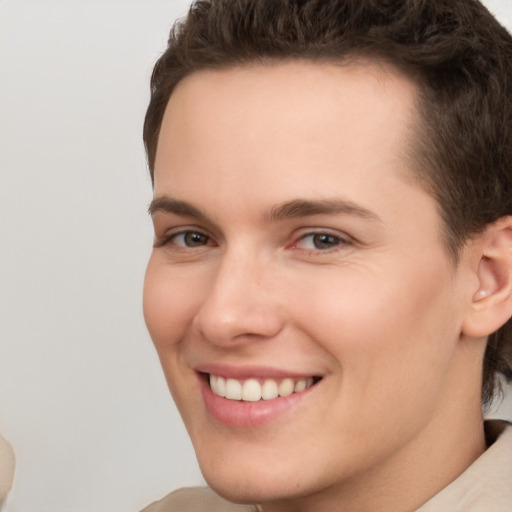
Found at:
<point>275,123</point>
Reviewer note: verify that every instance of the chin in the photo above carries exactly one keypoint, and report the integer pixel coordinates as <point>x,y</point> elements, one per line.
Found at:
<point>251,492</point>
<point>253,484</point>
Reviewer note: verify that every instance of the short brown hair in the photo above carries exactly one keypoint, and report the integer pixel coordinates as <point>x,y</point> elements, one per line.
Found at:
<point>456,52</point>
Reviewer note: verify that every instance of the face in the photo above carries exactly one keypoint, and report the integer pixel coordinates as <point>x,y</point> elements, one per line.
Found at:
<point>298,270</point>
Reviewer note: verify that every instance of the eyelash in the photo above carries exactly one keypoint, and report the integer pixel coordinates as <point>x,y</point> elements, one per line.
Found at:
<point>167,240</point>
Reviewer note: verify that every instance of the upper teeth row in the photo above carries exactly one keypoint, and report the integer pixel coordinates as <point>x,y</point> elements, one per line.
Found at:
<point>251,390</point>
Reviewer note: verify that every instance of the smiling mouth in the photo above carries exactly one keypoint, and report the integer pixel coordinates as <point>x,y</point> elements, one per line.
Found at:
<point>254,390</point>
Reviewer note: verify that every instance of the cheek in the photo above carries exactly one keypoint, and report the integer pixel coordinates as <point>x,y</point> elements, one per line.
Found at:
<point>382,328</point>
<point>169,305</point>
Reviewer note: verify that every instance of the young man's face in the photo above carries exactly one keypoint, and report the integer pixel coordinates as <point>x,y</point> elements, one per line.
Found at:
<point>294,246</point>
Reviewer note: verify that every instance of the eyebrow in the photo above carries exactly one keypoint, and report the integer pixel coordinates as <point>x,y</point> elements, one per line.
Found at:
<point>169,205</point>
<point>305,208</point>
<point>295,208</point>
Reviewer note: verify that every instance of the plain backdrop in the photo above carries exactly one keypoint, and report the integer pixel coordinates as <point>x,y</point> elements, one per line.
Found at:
<point>82,396</point>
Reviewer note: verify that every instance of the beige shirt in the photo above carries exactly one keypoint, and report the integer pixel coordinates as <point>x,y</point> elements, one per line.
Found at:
<point>486,486</point>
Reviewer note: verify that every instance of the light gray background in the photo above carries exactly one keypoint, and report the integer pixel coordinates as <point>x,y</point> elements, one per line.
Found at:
<point>82,397</point>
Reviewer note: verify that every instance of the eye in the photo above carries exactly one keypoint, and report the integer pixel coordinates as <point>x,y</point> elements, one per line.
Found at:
<point>320,241</point>
<point>190,239</point>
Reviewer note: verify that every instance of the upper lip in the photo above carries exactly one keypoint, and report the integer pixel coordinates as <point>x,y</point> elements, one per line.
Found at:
<point>243,372</point>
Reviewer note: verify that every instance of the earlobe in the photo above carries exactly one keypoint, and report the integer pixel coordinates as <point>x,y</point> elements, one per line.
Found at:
<point>491,304</point>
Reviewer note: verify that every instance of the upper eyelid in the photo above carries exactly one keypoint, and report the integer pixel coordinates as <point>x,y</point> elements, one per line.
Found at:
<point>311,231</point>
<point>184,228</point>
<point>176,221</point>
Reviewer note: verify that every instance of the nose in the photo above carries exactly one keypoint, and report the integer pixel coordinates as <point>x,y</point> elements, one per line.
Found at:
<point>240,304</point>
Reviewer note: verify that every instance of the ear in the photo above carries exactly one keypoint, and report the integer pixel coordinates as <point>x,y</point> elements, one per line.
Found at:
<point>491,304</point>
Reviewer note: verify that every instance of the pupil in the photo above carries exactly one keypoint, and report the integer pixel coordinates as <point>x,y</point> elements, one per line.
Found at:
<point>194,239</point>
<point>325,241</point>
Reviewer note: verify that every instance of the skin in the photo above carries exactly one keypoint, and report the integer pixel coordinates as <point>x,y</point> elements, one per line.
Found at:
<point>379,312</point>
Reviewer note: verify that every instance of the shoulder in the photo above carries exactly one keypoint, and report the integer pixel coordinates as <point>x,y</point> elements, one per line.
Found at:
<point>195,499</point>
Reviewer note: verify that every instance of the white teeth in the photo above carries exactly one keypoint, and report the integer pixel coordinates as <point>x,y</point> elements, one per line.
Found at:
<point>233,389</point>
<point>286,387</point>
<point>300,385</point>
<point>218,385</point>
<point>252,391</point>
<point>221,386</point>
<point>269,390</point>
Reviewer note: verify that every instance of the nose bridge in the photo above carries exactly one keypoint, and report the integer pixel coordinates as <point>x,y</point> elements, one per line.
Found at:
<point>240,303</point>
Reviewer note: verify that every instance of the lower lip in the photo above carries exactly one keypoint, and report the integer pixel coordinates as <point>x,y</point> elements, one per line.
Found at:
<point>236,413</point>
